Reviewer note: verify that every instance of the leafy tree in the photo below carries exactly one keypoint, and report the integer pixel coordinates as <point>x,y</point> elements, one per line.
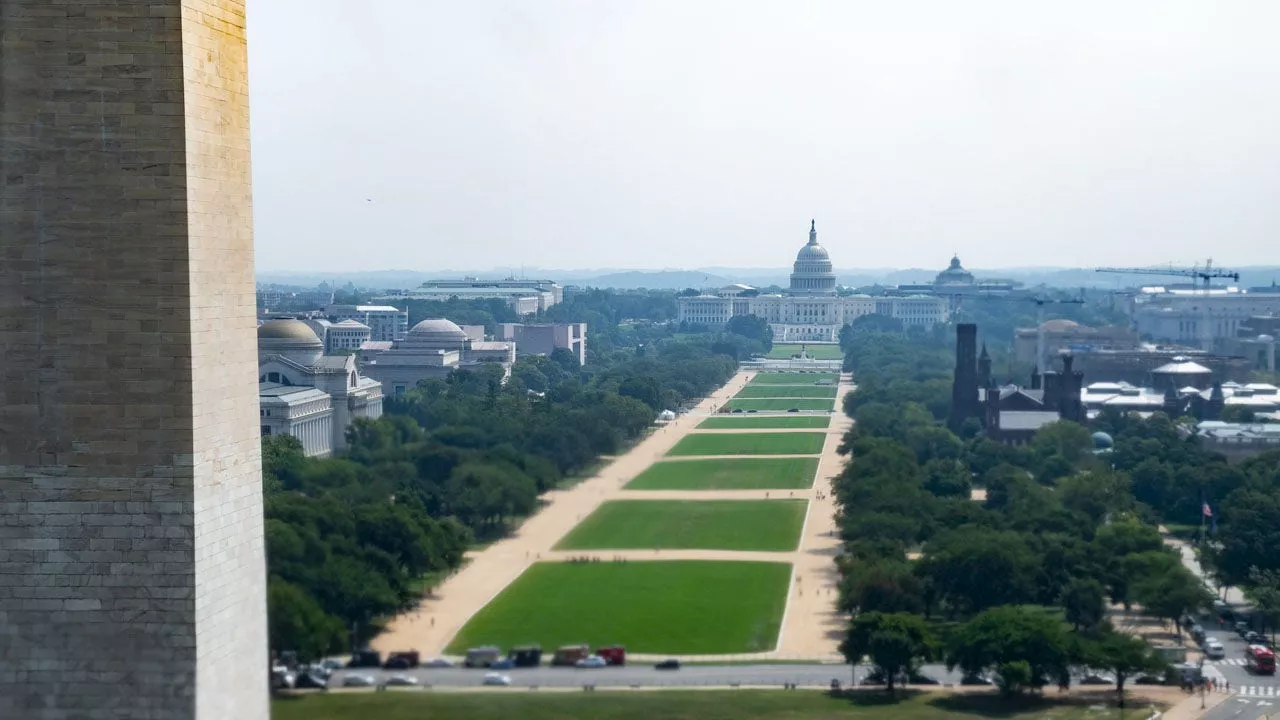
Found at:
<point>1263,590</point>
<point>297,623</point>
<point>1084,603</point>
<point>1249,533</point>
<point>886,586</point>
<point>947,478</point>
<point>895,642</point>
<point>1124,655</point>
<point>1096,494</point>
<point>1013,677</point>
<point>1009,634</point>
<point>1172,593</point>
<point>752,327</point>
<point>972,569</point>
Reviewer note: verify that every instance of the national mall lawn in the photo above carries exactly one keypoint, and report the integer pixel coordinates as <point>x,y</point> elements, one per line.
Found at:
<point>750,444</point>
<point>817,352</point>
<point>787,391</point>
<point>760,422</point>
<point>782,404</point>
<point>748,525</point>
<point>660,607</point>
<point>793,378</point>
<point>519,703</point>
<point>749,473</point>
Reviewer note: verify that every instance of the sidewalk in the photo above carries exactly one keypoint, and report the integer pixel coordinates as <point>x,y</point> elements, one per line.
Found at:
<point>1189,709</point>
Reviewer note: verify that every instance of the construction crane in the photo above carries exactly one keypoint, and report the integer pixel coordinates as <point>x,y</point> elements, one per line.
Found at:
<point>1206,274</point>
<point>1040,301</point>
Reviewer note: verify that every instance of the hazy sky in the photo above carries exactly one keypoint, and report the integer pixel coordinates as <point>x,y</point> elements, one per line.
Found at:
<point>412,134</point>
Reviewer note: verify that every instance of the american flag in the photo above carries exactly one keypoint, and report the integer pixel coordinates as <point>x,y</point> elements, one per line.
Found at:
<point>1206,510</point>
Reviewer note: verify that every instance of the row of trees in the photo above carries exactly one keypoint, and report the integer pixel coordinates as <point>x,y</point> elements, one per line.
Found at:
<point>354,539</point>
<point>1015,583</point>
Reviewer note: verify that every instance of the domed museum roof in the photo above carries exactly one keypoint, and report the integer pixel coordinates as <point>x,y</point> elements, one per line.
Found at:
<point>288,332</point>
<point>1059,325</point>
<point>437,329</point>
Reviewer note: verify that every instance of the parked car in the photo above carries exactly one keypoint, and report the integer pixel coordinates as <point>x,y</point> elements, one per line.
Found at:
<point>496,679</point>
<point>1214,650</point>
<point>1147,679</point>
<point>1096,678</point>
<point>358,681</point>
<point>438,663</point>
<point>591,661</point>
<point>922,679</point>
<point>1242,627</point>
<point>977,680</point>
<point>311,680</point>
<point>402,681</point>
<point>668,664</point>
<point>875,677</point>
<point>505,663</point>
<point>1253,638</point>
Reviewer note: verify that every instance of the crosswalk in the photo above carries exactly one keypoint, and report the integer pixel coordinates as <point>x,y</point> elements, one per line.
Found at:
<point>1239,662</point>
<point>1256,690</point>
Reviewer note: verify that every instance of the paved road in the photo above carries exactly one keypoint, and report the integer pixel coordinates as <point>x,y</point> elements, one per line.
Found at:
<point>1231,669</point>
<point>1245,708</point>
<point>646,675</point>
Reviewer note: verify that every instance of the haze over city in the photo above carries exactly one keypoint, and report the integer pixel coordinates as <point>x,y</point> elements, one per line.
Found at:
<point>431,135</point>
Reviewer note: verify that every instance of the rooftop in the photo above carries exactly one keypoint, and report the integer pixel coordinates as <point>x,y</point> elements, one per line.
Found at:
<point>1026,419</point>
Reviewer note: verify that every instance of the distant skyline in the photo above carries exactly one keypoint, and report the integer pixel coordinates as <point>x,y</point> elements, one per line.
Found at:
<point>659,134</point>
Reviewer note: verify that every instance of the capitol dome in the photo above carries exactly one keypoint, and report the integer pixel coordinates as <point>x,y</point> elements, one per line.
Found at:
<point>812,274</point>
<point>437,331</point>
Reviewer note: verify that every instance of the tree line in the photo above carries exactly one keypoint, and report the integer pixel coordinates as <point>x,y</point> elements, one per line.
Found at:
<point>1015,582</point>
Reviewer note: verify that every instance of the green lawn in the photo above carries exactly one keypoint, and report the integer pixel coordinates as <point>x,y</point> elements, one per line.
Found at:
<point>750,444</point>
<point>728,474</point>
<point>817,352</point>
<point>792,378</point>
<point>752,525</point>
<point>787,391</point>
<point>506,704</point>
<point>745,422</point>
<point>676,607</point>
<point>779,404</point>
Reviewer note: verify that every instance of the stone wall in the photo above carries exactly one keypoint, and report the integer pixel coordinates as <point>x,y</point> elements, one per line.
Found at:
<point>131,560</point>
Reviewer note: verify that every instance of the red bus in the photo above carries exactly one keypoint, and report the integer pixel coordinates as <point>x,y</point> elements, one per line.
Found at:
<point>1260,660</point>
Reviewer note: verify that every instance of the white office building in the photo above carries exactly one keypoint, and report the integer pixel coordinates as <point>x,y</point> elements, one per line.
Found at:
<point>385,322</point>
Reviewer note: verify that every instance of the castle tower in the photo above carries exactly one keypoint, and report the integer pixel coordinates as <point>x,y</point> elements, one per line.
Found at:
<point>132,571</point>
<point>964,387</point>
<point>984,368</point>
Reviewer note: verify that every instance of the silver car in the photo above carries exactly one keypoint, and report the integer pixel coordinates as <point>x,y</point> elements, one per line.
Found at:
<point>358,681</point>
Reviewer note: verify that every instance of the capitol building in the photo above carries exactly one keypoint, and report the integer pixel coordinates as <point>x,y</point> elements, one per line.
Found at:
<point>810,310</point>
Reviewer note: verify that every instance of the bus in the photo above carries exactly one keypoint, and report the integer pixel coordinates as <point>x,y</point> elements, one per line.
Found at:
<point>1260,660</point>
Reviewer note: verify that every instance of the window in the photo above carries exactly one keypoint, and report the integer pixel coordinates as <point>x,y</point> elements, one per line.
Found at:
<point>266,431</point>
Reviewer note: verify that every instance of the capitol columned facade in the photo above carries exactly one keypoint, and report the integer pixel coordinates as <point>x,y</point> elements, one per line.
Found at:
<point>810,310</point>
